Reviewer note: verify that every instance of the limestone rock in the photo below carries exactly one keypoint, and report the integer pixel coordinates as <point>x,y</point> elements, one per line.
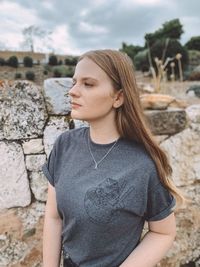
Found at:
<point>31,215</point>
<point>54,127</point>
<point>56,95</point>
<point>13,176</point>
<point>79,123</point>
<point>39,185</point>
<point>156,101</point>
<point>184,154</point>
<point>35,162</point>
<point>167,122</point>
<point>161,101</point>
<point>193,113</point>
<point>12,251</point>
<point>145,88</point>
<point>22,110</point>
<point>33,146</point>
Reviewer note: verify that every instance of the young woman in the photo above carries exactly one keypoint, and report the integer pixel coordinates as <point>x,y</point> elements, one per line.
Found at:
<point>107,179</point>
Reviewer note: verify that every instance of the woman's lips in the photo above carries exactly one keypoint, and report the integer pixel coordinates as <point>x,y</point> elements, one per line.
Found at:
<point>75,105</point>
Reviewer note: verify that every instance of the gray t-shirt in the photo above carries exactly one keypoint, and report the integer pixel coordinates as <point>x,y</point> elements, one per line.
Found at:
<point>104,209</point>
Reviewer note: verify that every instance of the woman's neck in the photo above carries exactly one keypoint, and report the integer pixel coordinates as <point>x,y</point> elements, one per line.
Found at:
<point>102,134</point>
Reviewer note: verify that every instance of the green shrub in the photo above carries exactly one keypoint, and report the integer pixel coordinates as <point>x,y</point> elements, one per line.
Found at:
<point>13,62</point>
<point>71,61</point>
<point>60,62</point>
<point>2,62</point>
<point>28,62</point>
<point>30,75</point>
<point>45,72</point>
<point>53,61</point>
<point>57,73</point>
<point>69,72</point>
<point>18,75</point>
<point>141,61</point>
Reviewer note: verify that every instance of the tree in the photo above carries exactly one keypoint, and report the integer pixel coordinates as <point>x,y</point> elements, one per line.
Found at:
<point>131,50</point>
<point>172,29</point>
<point>28,62</point>
<point>32,33</point>
<point>13,62</point>
<point>53,61</point>
<point>193,43</point>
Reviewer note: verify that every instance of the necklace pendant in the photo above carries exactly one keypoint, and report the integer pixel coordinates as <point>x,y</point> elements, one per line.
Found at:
<point>96,166</point>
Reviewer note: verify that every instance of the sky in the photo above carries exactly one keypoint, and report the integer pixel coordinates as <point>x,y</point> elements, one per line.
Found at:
<point>76,26</point>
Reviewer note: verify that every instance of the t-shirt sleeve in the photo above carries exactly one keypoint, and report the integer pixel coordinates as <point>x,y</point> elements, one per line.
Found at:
<point>49,166</point>
<point>160,202</point>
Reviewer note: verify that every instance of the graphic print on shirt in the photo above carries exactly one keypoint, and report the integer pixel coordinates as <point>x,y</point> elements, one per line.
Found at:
<point>102,203</point>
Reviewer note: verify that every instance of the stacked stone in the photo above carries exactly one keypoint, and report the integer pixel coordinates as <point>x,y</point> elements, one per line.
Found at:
<point>30,121</point>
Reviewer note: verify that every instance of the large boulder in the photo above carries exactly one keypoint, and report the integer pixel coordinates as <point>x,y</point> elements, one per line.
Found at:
<point>56,95</point>
<point>22,110</point>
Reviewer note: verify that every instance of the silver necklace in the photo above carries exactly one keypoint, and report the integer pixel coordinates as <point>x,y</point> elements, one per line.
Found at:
<point>97,162</point>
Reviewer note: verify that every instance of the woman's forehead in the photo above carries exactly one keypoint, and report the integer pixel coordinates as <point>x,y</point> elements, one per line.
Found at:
<point>86,68</point>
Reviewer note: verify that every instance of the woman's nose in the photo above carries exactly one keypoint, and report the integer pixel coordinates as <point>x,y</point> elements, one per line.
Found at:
<point>74,91</point>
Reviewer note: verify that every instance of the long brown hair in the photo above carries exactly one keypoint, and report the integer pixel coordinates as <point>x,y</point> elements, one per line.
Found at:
<point>130,118</point>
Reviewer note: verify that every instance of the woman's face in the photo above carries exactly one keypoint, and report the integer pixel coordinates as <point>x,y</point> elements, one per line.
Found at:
<point>93,91</point>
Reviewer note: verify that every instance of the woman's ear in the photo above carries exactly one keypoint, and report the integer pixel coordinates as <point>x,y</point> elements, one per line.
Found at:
<point>118,99</point>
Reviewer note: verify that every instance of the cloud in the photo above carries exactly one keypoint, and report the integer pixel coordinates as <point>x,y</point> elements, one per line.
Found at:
<point>80,25</point>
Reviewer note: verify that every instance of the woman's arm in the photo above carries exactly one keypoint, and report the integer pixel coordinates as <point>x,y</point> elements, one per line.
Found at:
<point>52,231</point>
<point>154,245</point>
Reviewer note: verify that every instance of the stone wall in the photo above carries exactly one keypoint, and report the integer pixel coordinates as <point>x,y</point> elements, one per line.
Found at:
<point>31,118</point>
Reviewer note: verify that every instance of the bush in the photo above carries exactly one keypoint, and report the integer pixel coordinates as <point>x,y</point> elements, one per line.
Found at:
<point>69,72</point>
<point>141,61</point>
<point>60,62</point>
<point>28,62</point>
<point>18,75</point>
<point>13,62</point>
<point>193,43</point>
<point>45,72</point>
<point>53,61</point>
<point>57,73</point>
<point>2,62</point>
<point>30,75</point>
<point>71,61</point>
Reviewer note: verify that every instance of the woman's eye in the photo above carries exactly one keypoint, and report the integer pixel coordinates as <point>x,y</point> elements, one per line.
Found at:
<point>88,84</point>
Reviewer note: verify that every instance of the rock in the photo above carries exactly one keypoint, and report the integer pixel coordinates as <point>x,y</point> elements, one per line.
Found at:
<point>184,154</point>
<point>33,146</point>
<point>31,215</point>
<point>160,138</point>
<point>13,176</point>
<point>56,95</point>
<point>145,88</point>
<point>79,123</point>
<point>193,113</point>
<point>12,252</point>
<point>39,185</point>
<point>156,101</point>
<point>54,127</point>
<point>166,122</point>
<point>22,110</point>
<point>34,162</point>
<point>160,101</point>
<point>195,89</point>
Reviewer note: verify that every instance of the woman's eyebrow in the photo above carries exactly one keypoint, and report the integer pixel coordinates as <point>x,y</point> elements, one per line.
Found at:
<point>85,78</point>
